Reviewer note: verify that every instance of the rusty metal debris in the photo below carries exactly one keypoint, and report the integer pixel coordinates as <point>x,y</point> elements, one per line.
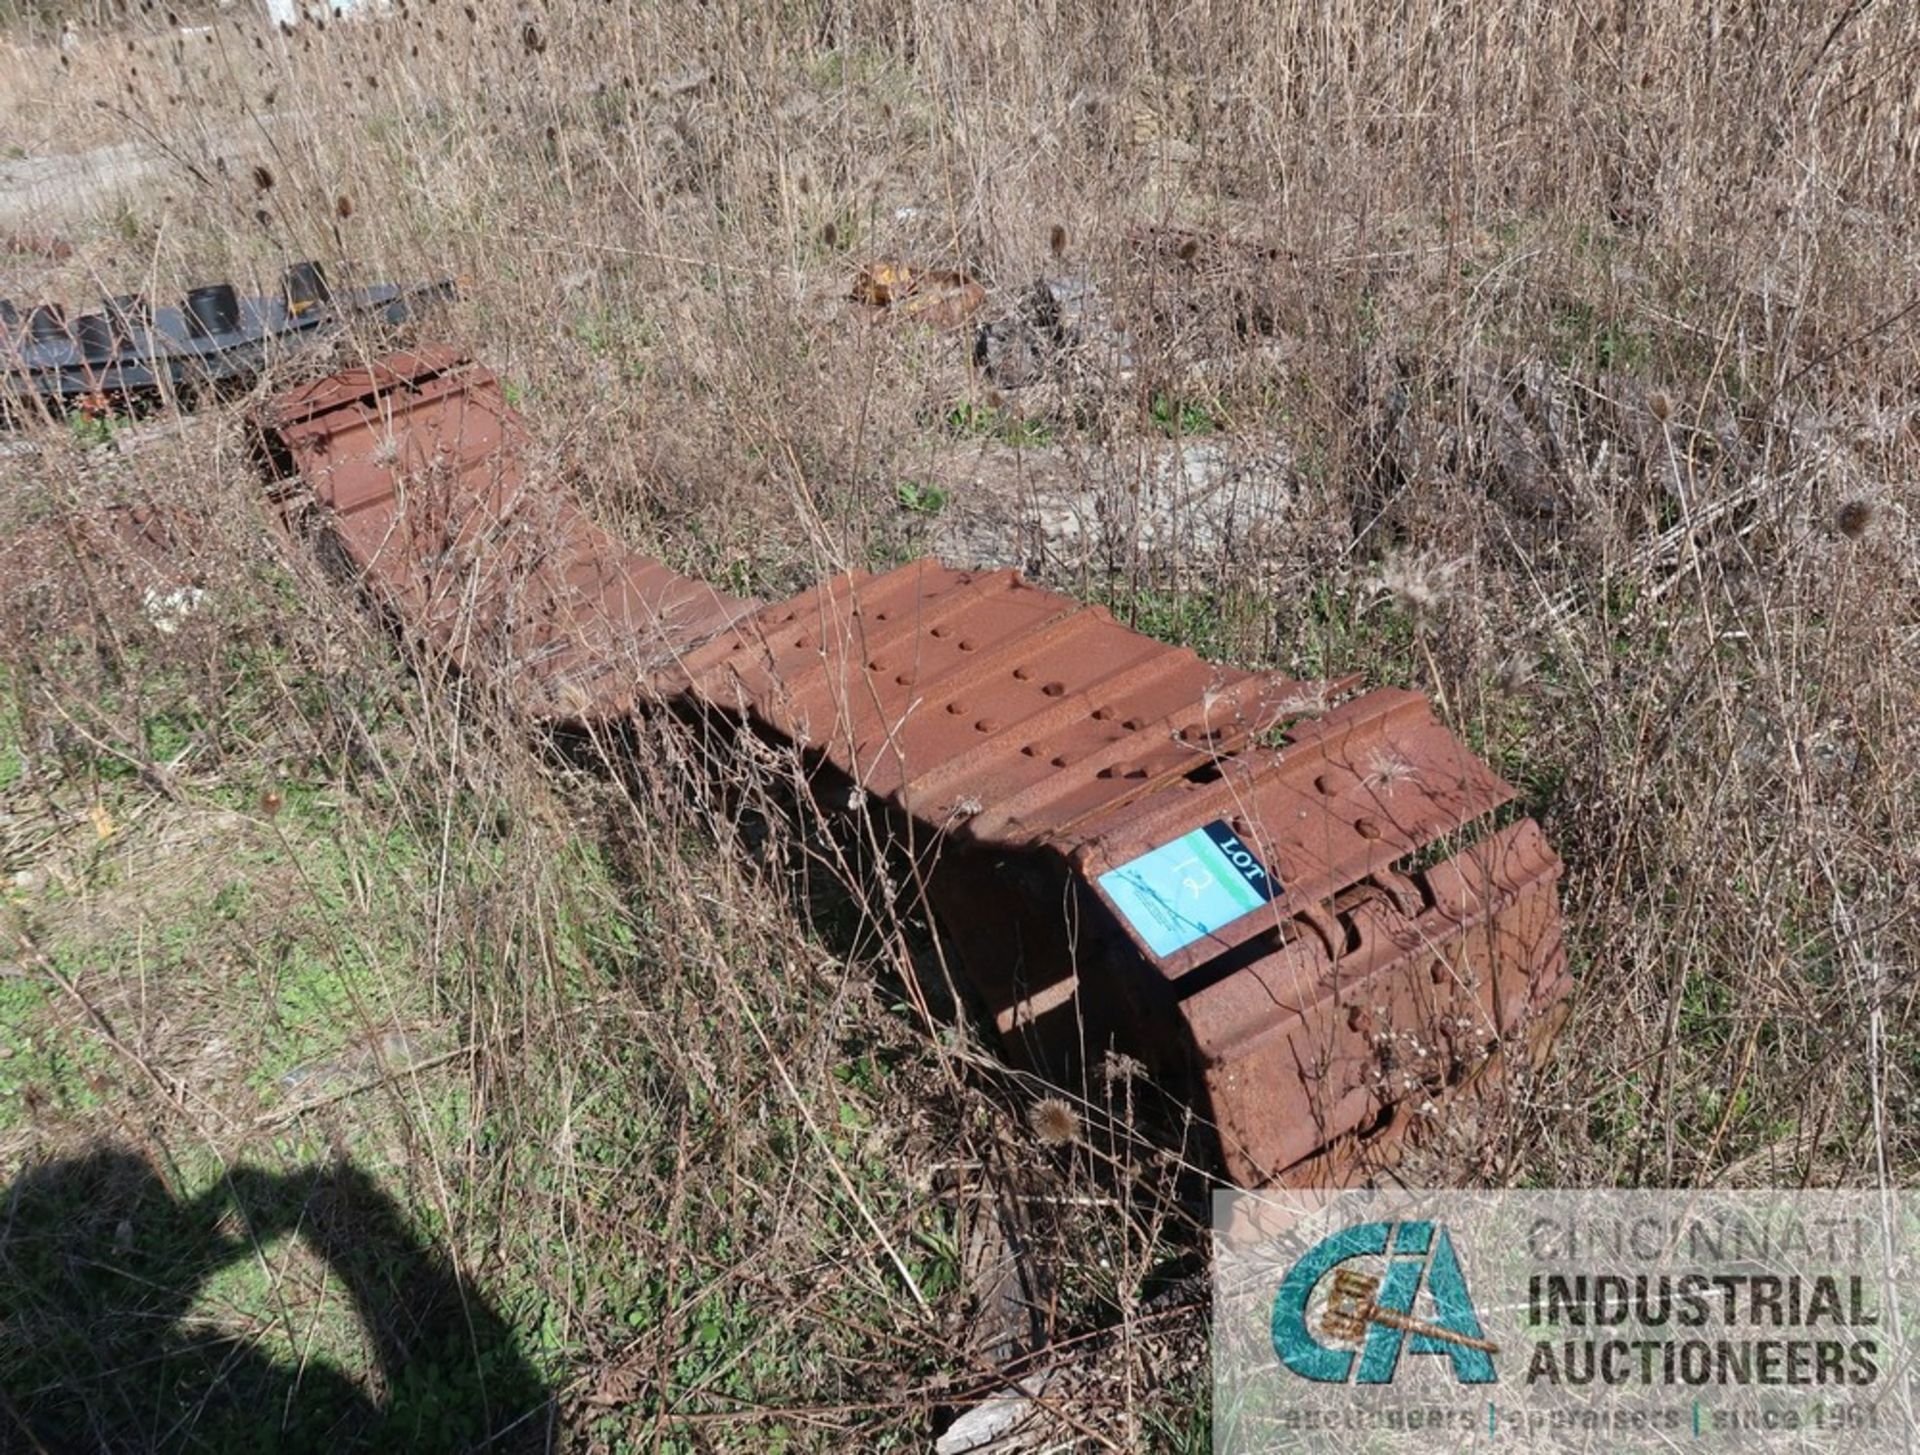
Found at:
<point>132,347</point>
<point>940,297</point>
<point>1295,906</point>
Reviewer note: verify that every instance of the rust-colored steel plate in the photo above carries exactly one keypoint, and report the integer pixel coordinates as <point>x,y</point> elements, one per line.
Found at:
<point>349,386</point>
<point>419,466</point>
<point>1029,747</point>
<point>981,702</point>
<point>1290,903</point>
<point>1346,796</point>
<point>1297,1048</point>
<point>1331,811</point>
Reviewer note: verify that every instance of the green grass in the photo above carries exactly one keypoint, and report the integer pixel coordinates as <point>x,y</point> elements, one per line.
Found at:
<point>1337,630</point>
<point>91,431</point>
<point>13,747</point>
<point>922,498</point>
<point>52,1069</point>
<point>1184,418</point>
<point>1003,426</point>
<point>1222,626</point>
<point>309,929</point>
<point>295,938</point>
<point>261,1286</point>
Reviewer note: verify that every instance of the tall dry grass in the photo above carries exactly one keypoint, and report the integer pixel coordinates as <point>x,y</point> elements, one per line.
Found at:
<point>1589,393</point>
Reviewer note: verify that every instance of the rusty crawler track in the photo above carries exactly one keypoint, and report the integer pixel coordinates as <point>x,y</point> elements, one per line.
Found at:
<point>1289,905</point>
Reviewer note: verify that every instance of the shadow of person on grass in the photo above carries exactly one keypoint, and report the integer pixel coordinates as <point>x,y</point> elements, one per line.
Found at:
<point>102,1346</point>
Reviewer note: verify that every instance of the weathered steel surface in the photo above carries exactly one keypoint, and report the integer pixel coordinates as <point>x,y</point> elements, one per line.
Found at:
<point>1026,745</point>
<point>1418,995</point>
<point>1040,763</point>
<point>130,346</point>
<point>420,470</point>
<point>978,701</point>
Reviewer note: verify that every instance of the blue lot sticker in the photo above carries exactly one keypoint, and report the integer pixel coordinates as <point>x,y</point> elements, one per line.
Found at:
<point>1185,890</point>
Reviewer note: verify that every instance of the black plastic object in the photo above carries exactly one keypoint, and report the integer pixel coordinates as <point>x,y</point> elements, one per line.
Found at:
<point>214,309</point>
<point>9,315</point>
<point>306,287</point>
